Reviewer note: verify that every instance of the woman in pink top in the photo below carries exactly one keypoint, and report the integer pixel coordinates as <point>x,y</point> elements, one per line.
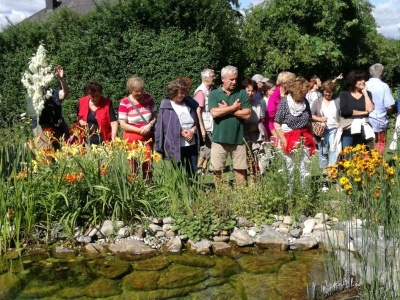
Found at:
<point>274,101</point>
<point>137,116</point>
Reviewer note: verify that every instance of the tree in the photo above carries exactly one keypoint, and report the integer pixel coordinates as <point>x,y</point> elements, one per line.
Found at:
<point>155,39</point>
<point>323,37</point>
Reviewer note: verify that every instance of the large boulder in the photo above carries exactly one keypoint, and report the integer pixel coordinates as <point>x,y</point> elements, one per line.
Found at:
<point>132,250</point>
<point>270,239</point>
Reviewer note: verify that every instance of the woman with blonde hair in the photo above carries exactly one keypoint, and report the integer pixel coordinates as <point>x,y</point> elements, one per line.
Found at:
<point>137,116</point>
<point>293,125</point>
<point>273,103</point>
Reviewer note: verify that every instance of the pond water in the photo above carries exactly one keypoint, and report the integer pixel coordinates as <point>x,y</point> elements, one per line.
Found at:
<point>271,275</point>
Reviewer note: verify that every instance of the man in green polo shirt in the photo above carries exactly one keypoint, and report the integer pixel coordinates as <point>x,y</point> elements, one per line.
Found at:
<point>229,108</point>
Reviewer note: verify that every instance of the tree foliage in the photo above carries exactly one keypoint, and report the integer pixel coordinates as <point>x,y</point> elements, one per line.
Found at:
<point>155,39</point>
<point>323,37</point>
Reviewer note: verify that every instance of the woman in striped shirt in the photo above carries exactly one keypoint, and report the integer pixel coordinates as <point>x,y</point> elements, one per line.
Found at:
<point>137,116</point>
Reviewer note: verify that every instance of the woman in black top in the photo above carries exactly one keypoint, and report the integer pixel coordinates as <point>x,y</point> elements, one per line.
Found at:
<point>355,103</point>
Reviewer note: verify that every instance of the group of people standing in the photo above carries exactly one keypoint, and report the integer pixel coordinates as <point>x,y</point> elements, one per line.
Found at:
<point>233,119</point>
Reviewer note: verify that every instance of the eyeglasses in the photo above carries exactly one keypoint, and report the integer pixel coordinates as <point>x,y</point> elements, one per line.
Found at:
<point>328,93</point>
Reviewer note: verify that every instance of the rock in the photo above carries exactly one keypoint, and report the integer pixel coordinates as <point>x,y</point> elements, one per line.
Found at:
<point>141,280</point>
<point>94,250</point>
<point>242,221</point>
<point>280,218</point>
<point>102,288</point>
<point>155,228</point>
<point>192,260</point>
<point>166,227</point>
<point>124,232</point>
<point>241,238</point>
<point>93,232</point>
<point>64,253</point>
<point>225,291</point>
<point>170,234</point>
<point>174,246</point>
<point>296,233</point>
<point>108,228</point>
<point>304,243</point>
<point>168,220</point>
<point>72,293</point>
<point>119,224</point>
<point>322,227</point>
<point>308,226</point>
<point>224,267</point>
<point>152,264</point>
<point>287,220</point>
<point>283,230</point>
<point>132,250</point>
<point>221,248</point>
<point>332,239</point>
<point>85,239</point>
<point>334,219</point>
<point>57,232</point>
<point>224,232</point>
<point>221,239</point>
<point>270,239</point>
<point>36,290</point>
<point>139,232</point>
<point>201,247</point>
<point>321,218</point>
<point>302,218</point>
<point>276,224</point>
<point>160,234</point>
<point>292,280</point>
<point>10,285</point>
<point>114,268</point>
<point>256,286</point>
<point>158,221</point>
<point>252,232</point>
<point>179,276</point>
<point>266,263</point>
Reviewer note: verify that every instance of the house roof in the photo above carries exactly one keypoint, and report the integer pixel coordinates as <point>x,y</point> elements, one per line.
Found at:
<point>79,6</point>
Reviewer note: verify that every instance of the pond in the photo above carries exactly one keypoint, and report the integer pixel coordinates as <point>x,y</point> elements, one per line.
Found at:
<point>268,275</point>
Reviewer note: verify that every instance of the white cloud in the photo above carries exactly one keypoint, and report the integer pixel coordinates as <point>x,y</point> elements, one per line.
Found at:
<point>16,11</point>
<point>387,15</point>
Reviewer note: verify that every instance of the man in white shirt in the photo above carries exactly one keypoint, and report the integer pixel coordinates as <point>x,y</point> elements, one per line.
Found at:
<point>384,105</point>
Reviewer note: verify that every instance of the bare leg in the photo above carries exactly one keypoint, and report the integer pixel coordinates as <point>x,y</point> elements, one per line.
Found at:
<point>241,177</point>
<point>217,178</point>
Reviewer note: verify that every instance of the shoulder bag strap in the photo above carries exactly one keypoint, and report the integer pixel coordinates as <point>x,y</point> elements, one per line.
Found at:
<point>134,106</point>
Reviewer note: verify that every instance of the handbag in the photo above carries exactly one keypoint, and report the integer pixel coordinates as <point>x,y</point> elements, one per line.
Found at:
<point>318,128</point>
<point>140,114</point>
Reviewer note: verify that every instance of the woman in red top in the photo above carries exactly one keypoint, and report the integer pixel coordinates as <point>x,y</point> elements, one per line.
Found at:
<point>97,113</point>
<point>137,116</point>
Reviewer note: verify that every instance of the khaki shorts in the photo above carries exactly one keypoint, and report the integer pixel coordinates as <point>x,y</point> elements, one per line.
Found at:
<point>219,154</point>
<point>205,151</point>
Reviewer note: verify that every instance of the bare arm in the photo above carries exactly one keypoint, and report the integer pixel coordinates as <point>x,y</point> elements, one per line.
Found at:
<point>200,117</point>
<point>244,113</point>
<point>114,129</point>
<point>224,109</point>
<point>59,72</point>
<point>279,134</point>
<point>369,106</point>
<point>315,118</point>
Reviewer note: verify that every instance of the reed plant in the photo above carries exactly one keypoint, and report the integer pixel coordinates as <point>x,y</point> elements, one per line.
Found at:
<point>371,184</point>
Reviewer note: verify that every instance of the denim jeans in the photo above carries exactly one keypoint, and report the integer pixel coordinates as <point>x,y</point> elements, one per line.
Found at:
<point>351,140</point>
<point>327,154</point>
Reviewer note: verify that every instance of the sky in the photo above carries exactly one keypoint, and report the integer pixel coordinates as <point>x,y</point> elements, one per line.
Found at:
<point>386,13</point>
